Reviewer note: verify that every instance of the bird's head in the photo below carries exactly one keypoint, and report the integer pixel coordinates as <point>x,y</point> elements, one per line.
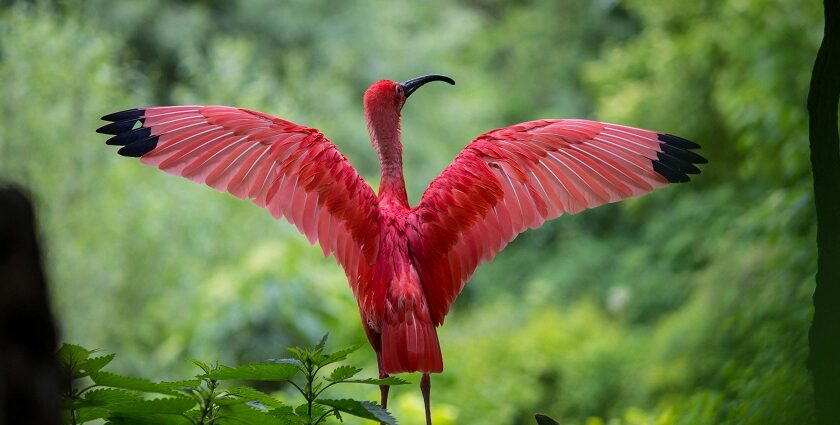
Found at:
<point>383,102</point>
<point>388,96</point>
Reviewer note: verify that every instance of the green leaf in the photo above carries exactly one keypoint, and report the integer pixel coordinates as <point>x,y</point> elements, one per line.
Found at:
<point>169,405</point>
<point>362,409</point>
<point>147,419</point>
<point>102,397</point>
<point>226,400</point>
<point>94,364</point>
<point>323,342</point>
<point>391,380</point>
<point>71,355</point>
<point>302,410</point>
<point>287,416</point>
<point>251,394</point>
<point>161,411</point>
<point>337,356</point>
<point>185,385</point>
<point>544,420</point>
<point>96,403</point>
<point>343,372</point>
<point>109,379</point>
<point>87,414</point>
<point>242,414</point>
<point>299,354</point>
<point>256,372</point>
<point>203,366</point>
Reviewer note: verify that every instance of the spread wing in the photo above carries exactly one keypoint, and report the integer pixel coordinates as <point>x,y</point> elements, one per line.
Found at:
<point>515,178</point>
<point>291,170</point>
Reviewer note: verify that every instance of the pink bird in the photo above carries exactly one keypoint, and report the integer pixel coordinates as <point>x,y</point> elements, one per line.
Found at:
<point>405,265</point>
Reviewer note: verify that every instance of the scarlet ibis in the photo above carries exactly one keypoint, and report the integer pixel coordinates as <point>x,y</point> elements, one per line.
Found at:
<point>405,265</point>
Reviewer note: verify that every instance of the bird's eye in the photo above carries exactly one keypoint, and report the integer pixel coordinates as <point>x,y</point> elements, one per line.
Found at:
<point>398,90</point>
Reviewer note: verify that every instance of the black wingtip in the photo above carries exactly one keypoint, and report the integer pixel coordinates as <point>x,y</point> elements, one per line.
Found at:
<point>135,142</point>
<point>118,127</point>
<point>678,141</point>
<point>130,136</point>
<point>139,148</point>
<point>673,175</point>
<point>683,154</point>
<point>124,115</point>
<point>675,161</point>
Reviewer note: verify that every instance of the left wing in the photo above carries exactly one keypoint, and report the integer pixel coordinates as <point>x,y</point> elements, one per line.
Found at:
<point>514,178</point>
<point>291,170</point>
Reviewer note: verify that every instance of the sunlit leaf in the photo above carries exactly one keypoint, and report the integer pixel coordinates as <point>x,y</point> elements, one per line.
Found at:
<point>256,372</point>
<point>344,372</point>
<point>94,364</point>
<point>242,414</point>
<point>71,356</point>
<point>362,409</point>
<point>203,366</point>
<point>337,356</point>
<point>170,405</point>
<point>105,396</point>
<point>109,379</point>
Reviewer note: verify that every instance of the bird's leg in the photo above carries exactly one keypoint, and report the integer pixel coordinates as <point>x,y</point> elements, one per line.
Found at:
<point>425,388</point>
<point>383,389</point>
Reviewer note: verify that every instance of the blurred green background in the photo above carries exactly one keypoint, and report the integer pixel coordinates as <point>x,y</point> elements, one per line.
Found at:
<point>688,306</point>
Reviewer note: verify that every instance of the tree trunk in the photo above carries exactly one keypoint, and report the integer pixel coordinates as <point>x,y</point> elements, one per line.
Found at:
<point>824,337</point>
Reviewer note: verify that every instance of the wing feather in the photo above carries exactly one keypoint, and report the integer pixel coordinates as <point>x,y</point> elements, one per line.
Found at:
<point>515,178</point>
<point>291,170</point>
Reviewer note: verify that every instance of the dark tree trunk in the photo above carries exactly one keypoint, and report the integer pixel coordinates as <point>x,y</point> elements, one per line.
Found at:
<point>824,337</point>
<point>29,372</point>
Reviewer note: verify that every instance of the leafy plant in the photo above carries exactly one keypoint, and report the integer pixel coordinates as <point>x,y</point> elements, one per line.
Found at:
<point>93,393</point>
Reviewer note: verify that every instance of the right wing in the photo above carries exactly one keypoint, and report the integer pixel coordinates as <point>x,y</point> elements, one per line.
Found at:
<point>514,178</point>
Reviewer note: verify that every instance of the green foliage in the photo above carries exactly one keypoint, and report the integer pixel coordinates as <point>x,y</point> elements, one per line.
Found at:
<point>362,409</point>
<point>256,372</point>
<point>126,400</point>
<point>690,305</point>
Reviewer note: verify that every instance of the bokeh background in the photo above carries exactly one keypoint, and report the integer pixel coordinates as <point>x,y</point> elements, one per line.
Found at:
<point>688,306</point>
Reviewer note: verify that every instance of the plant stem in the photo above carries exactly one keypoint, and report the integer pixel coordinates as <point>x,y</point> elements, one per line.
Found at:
<point>87,388</point>
<point>323,389</point>
<point>73,397</point>
<point>324,416</point>
<point>207,404</point>
<point>309,396</point>
<point>300,390</point>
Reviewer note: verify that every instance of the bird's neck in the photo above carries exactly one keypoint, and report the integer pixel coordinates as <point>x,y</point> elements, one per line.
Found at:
<point>385,135</point>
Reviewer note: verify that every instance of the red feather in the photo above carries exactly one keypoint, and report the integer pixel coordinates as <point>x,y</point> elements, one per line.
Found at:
<point>406,265</point>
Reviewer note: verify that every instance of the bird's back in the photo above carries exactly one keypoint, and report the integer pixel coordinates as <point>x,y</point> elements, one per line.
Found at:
<point>400,312</point>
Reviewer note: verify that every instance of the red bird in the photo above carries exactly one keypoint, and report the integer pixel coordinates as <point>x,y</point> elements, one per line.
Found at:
<point>405,265</point>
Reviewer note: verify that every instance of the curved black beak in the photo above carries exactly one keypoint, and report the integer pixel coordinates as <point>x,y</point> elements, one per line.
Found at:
<point>415,83</point>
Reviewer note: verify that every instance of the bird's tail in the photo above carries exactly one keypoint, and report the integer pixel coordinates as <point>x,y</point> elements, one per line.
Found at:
<point>410,344</point>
